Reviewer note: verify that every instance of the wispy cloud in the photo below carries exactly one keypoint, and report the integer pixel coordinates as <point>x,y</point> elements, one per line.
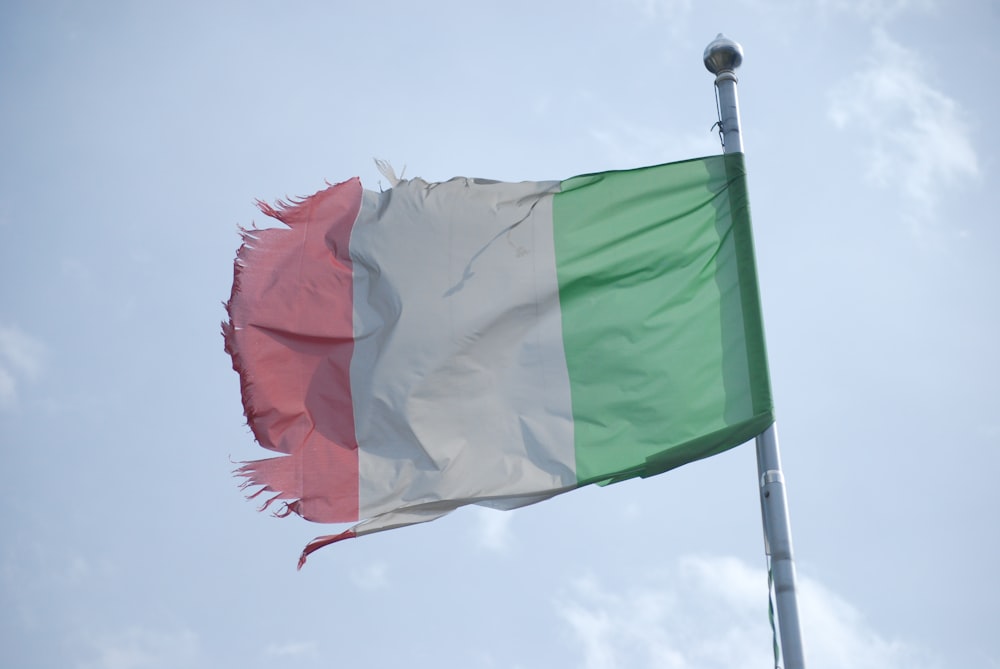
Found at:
<point>293,649</point>
<point>878,10</point>
<point>21,359</point>
<point>139,648</point>
<point>916,137</point>
<point>628,144</point>
<point>371,576</point>
<point>839,634</point>
<point>669,10</point>
<point>711,613</point>
<point>493,529</point>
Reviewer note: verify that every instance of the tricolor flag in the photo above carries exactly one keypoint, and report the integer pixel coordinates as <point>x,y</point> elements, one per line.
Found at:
<point>435,345</point>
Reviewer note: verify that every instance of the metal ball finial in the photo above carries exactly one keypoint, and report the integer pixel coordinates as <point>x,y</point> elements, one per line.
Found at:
<point>723,55</point>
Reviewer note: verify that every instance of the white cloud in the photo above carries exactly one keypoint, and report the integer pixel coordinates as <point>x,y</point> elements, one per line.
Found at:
<point>711,613</point>
<point>916,137</point>
<point>20,351</point>
<point>8,388</point>
<point>878,10</point>
<point>669,10</point>
<point>21,359</point>
<point>371,577</point>
<point>138,648</point>
<point>293,649</point>
<point>627,145</point>
<point>77,272</point>
<point>839,636</point>
<point>493,528</point>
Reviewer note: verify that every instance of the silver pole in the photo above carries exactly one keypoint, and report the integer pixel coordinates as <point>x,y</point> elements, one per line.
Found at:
<point>722,57</point>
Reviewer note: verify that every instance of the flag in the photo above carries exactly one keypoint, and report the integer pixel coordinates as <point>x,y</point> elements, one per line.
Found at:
<point>412,351</point>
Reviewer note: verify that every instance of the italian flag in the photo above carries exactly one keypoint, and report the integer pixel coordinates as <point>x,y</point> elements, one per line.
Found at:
<point>412,351</point>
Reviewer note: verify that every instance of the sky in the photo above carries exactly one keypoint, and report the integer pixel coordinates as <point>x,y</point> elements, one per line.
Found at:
<point>135,137</point>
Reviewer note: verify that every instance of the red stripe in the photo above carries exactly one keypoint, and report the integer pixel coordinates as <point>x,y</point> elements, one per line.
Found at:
<point>291,336</point>
<point>319,542</point>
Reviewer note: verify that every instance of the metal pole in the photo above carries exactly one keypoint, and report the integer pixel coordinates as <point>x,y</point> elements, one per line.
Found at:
<point>722,57</point>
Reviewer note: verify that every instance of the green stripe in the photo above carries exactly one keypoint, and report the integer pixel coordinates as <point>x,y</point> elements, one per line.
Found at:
<point>661,316</point>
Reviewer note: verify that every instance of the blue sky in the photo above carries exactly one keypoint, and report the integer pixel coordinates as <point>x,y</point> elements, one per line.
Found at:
<point>135,137</point>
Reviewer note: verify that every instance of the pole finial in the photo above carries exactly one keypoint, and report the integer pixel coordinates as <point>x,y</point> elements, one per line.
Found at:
<point>723,55</point>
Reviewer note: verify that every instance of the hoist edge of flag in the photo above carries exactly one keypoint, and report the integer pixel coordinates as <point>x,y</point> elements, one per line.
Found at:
<point>697,322</point>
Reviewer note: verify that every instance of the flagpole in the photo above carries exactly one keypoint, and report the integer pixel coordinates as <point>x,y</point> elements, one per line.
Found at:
<point>722,57</point>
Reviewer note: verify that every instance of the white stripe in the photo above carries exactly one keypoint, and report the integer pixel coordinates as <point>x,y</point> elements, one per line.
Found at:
<point>458,377</point>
